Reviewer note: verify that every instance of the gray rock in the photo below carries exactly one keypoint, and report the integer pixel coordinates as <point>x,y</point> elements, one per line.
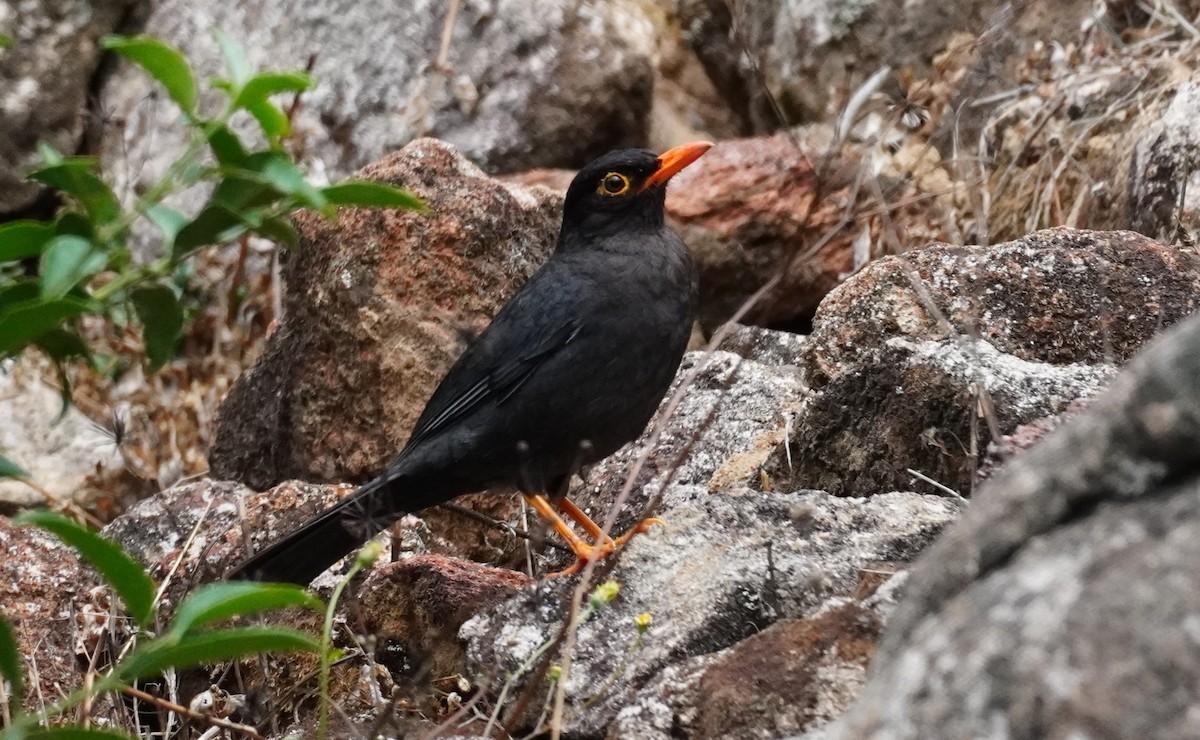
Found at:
<point>63,451</point>
<point>801,57</point>
<point>730,562</point>
<point>1164,168</point>
<point>1062,603</point>
<point>916,405</point>
<point>764,346</point>
<point>1057,295</point>
<point>732,417</point>
<point>526,83</point>
<point>45,79</point>
<point>727,566</point>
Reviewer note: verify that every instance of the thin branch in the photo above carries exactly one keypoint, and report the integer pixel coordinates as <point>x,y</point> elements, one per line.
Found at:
<point>501,525</point>
<point>170,706</point>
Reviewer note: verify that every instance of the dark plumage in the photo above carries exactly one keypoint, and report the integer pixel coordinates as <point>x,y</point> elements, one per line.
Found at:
<point>570,369</point>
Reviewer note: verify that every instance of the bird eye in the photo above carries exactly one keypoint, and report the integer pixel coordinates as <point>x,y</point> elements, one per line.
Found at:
<point>614,183</point>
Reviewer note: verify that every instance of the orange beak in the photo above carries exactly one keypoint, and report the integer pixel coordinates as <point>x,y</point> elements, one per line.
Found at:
<point>673,160</point>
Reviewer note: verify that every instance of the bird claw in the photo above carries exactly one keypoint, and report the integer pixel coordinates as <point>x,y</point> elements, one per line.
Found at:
<point>605,548</point>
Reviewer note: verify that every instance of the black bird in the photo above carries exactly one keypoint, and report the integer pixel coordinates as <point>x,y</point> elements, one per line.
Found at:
<point>570,369</point>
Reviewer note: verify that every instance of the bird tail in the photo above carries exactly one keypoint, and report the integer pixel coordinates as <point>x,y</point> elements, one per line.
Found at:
<point>305,553</point>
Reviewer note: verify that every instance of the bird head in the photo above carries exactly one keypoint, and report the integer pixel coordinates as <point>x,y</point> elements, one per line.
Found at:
<point>625,189</point>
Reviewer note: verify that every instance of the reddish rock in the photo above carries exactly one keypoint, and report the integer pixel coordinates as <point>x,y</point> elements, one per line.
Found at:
<point>377,305</point>
<point>418,605</point>
<point>795,675</point>
<point>750,208</point>
<point>1056,296</point>
<point>42,583</point>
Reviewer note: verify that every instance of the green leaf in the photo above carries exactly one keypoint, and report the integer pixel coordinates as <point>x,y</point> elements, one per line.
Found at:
<point>48,153</point>
<point>271,119</point>
<point>64,390</point>
<point>281,172</point>
<point>215,224</point>
<point>21,239</point>
<point>10,661</point>
<point>121,572</point>
<point>74,733</point>
<point>162,62</point>
<point>263,85</point>
<point>66,261</point>
<point>238,192</point>
<point>5,41</point>
<point>208,648</point>
<point>162,322</point>
<point>168,220</point>
<point>235,60</point>
<point>370,194</point>
<point>25,289</point>
<point>61,343</point>
<point>225,145</point>
<point>74,222</point>
<point>9,469</point>
<point>25,321</point>
<point>279,229</point>
<point>76,177</point>
<point>219,601</point>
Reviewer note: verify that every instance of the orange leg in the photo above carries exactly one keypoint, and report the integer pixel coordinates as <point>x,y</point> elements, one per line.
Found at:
<point>584,551</point>
<point>569,508</point>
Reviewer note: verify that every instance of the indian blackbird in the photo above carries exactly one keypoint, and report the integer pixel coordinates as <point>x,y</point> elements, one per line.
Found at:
<point>570,369</point>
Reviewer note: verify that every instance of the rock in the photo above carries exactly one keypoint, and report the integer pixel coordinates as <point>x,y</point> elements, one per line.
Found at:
<point>1060,604</point>
<point>730,562</point>
<point>63,451</point>
<point>1163,168</point>
<point>416,606</point>
<point>226,518</point>
<point>510,89</point>
<point>46,78</point>
<point>750,208</point>
<point>1056,296</point>
<point>895,388</point>
<point>41,581</point>
<point>764,346</point>
<point>375,310</point>
<point>731,419</point>
<point>728,566</point>
<point>686,105</point>
<point>795,674</point>
<point>1027,436</point>
<point>802,58</point>
<point>916,406</point>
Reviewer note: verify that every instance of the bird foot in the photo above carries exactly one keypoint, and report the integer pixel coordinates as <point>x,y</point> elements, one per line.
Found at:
<point>587,553</point>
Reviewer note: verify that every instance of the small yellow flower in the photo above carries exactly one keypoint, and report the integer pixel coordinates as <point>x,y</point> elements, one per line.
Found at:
<point>554,673</point>
<point>604,594</point>
<point>369,553</point>
<point>643,621</point>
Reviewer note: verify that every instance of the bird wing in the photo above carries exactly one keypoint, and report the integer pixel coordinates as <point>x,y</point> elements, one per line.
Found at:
<point>484,373</point>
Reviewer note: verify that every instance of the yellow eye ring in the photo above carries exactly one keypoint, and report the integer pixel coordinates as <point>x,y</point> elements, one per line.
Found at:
<point>614,184</point>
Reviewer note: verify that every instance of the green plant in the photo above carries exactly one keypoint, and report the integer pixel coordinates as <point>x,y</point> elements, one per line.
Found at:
<point>367,555</point>
<point>188,640</point>
<point>53,273</point>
